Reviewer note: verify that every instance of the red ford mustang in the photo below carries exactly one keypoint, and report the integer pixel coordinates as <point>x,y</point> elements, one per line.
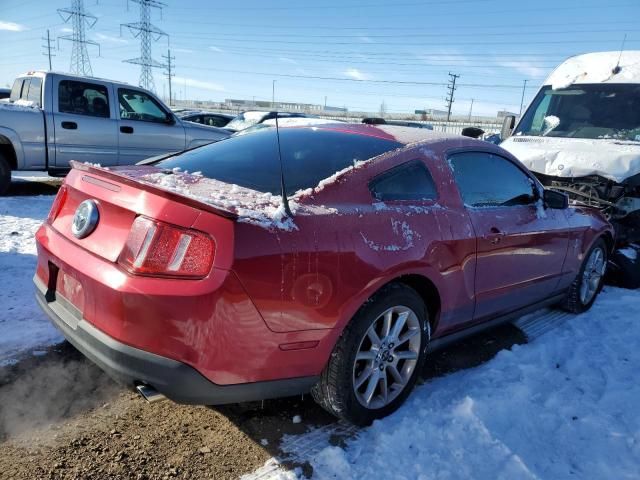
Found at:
<point>204,288</point>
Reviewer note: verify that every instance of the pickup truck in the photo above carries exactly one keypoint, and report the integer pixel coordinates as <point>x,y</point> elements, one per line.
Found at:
<point>52,118</point>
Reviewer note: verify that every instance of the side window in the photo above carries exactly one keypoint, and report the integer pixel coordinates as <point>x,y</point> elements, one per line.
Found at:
<point>487,180</point>
<point>137,105</point>
<point>214,121</point>
<point>16,90</point>
<point>410,181</point>
<point>82,98</point>
<point>35,91</point>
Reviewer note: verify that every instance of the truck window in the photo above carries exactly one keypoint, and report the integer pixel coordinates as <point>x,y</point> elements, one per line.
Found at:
<point>35,91</point>
<point>137,105</point>
<point>82,98</point>
<point>18,88</point>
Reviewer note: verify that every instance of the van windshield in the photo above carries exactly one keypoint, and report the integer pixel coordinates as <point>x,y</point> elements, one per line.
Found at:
<point>596,111</point>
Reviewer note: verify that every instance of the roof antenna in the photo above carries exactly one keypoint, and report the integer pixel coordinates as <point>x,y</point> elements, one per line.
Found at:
<point>285,200</point>
<point>616,70</point>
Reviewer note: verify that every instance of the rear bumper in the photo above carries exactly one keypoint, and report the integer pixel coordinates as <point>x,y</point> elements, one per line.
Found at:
<point>131,366</point>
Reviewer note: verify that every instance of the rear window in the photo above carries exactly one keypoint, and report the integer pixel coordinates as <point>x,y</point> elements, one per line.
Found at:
<point>17,89</point>
<point>309,156</point>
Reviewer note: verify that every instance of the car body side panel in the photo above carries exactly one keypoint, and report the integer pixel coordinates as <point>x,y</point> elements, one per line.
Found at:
<point>345,248</point>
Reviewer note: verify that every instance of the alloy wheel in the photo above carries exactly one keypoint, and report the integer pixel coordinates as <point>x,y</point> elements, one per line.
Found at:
<point>387,357</point>
<point>592,275</point>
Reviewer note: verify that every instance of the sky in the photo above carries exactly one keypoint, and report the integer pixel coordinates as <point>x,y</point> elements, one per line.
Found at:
<point>353,53</point>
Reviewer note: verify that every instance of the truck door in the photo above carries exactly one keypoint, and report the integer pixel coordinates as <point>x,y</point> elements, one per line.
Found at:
<point>85,127</point>
<point>145,128</point>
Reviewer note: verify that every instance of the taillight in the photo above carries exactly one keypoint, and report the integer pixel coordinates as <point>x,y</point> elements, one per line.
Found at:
<point>159,249</point>
<point>58,202</point>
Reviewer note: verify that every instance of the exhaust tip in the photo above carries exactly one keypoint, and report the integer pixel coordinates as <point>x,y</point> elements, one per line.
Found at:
<point>150,394</point>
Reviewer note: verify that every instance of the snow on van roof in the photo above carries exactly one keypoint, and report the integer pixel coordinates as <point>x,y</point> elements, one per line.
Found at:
<point>597,67</point>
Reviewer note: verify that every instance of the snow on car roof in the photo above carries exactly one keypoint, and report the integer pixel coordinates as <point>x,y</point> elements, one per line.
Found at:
<point>597,67</point>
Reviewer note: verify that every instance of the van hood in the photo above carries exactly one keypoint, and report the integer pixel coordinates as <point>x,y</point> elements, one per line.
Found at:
<point>576,157</point>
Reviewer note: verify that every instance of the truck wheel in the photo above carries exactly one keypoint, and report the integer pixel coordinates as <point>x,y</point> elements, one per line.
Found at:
<point>377,359</point>
<point>588,283</point>
<point>624,268</point>
<point>5,175</point>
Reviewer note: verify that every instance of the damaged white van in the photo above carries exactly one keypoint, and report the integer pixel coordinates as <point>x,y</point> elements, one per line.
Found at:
<point>581,135</point>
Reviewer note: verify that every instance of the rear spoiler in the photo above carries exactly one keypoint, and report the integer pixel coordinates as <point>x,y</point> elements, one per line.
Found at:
<point>127,180</point>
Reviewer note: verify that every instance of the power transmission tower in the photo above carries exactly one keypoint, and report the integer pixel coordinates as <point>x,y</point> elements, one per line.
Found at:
<point>169,73</point>
<point>450,89</point>
<point>80,63</point>
<point>48,48</point>
<point>146,31</point>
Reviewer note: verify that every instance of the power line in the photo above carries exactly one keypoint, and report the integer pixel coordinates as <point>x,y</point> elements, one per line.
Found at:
<point>80,63</point>
<point>146,31</point>
<point>451,87</point>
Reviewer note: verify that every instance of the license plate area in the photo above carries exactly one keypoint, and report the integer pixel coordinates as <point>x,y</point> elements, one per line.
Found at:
<point>65,295</point>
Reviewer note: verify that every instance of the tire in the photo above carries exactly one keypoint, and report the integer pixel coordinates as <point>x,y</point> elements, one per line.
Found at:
<point>5,174</point>
<point>624,271</point>
<point>590,278</point>
<point>358,358</point>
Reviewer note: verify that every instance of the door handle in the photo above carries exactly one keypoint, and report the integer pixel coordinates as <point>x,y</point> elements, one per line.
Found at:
<point>126,129</point>
<point>495,235</point>
<point>70,125</point>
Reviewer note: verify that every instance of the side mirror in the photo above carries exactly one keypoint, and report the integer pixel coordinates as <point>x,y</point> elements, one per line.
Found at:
<point>170,119</point>
<point>473,132</point>
<point>508,124</point>
<point>554,199</point>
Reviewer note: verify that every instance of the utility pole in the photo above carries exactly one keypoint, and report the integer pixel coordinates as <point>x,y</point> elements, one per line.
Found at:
<point>273,94</point>
<point>145,31</point>
<point>470,109</point>
<point>169,73</point>
<point>524,87</point>
<point>450,89</point>
<point>79,17</point>
<point>48,48</point>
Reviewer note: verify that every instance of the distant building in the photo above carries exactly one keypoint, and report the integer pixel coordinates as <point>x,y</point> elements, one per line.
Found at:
<point>241,104</point>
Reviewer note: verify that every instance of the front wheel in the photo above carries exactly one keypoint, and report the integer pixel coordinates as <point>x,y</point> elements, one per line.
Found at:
<point>5,175</point>
<point>376,361</point>
<point>588,282</point>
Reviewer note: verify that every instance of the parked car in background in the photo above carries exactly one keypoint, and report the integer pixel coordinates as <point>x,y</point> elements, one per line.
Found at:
<point>581,135</point>
<point>5,93</point>
<point>287,122</point>
<point>251,118</point>
<point>338,273</point>
<point>53,118</point>
<point>207,118</point>
<point>400,123</point>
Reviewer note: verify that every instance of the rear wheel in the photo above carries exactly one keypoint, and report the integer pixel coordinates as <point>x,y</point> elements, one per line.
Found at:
<point>5,174</point>
<point>588,283</point>
<point>377,360</point>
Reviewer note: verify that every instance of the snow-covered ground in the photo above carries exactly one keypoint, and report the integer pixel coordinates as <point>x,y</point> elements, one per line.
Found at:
<point>32,176</point>
<point>565,405</point>
<point>23,326</point>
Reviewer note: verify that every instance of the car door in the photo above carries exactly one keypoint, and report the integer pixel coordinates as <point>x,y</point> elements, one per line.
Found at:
<point>521,246</point>
<point>85,128</point>
<point>145,128</point>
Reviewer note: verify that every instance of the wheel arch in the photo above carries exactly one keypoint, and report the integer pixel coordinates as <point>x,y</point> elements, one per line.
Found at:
<point>8,151</point>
